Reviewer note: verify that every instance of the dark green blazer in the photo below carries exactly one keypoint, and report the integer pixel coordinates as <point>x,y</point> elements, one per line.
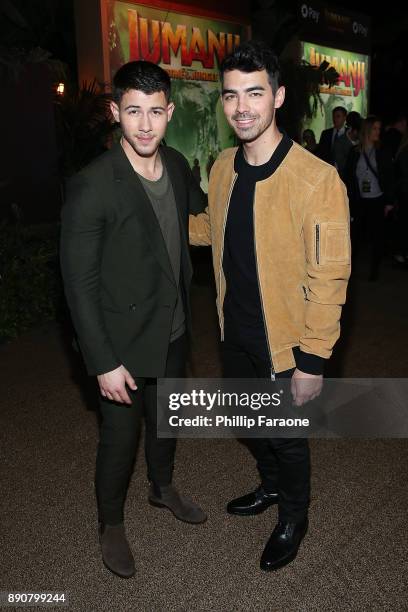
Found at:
<point>118,278</point>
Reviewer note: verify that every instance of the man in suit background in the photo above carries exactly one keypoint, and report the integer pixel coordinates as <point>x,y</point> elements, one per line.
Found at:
<point>325,149</point>
<point>344,144</point>
<point>126,269</point>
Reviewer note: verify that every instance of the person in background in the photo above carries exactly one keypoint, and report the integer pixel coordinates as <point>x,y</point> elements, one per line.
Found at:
<point>394,134</point>
<point>369,177</point>
<point>400,256</point>
<point>210,163</point>
<point>327,139</point>
<point>343,145</point>
<point>309,141</point>
<point>196,171</point>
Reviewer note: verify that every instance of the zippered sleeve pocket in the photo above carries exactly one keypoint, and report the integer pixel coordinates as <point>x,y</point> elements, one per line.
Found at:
<point>332,243</point>
<point>317,242</point>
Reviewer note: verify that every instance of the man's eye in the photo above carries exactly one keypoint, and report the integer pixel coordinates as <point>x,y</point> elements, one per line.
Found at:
<point>133,112</point>
<point>255,94</point>
<point>228,97</point>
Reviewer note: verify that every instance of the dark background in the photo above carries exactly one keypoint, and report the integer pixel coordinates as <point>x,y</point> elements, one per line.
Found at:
<point>52,27</point>
<point>34,168</point>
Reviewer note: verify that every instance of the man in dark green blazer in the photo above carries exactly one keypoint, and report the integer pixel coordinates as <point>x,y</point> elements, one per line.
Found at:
<point>127,271</point>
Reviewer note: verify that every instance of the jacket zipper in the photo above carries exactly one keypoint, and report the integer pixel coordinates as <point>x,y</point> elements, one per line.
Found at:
<point>273,377</point>
<point>222,243</point>
<point>317,243</point>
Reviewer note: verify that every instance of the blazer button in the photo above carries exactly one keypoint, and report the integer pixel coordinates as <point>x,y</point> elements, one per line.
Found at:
<point>132,307</point>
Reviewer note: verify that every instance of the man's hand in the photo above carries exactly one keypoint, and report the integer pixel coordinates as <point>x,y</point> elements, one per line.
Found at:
<point>305,387</point>
<point>113,385</point>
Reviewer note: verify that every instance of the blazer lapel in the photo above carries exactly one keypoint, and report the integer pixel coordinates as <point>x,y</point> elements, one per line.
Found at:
<point>131,190</point>
<point>180,195</point>
<point>177,181</point>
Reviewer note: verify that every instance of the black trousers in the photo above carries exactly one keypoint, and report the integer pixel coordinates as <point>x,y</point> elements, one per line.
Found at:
<point>119,435</point>
<point>283,463</point>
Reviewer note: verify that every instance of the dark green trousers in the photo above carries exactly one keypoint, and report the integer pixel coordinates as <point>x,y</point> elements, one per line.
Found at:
<point>119,435</point>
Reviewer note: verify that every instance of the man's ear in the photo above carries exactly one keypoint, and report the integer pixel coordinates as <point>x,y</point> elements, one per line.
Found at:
<point>170,110</point>
<point>280,97</point>
<point>115,111</point>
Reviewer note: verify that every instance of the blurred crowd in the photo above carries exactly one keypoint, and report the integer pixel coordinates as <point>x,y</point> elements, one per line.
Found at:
<point>372,160</point>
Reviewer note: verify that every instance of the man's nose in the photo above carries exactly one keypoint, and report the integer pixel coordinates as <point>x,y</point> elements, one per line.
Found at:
<point>242,104</point>
<point>145,124</point>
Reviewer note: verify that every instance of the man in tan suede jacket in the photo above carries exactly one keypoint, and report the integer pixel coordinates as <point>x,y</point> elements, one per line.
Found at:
<point>278,223</point>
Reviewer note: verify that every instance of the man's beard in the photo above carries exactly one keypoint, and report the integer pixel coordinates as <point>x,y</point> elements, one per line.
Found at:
<point>143,151</point>
<point>254,131</point>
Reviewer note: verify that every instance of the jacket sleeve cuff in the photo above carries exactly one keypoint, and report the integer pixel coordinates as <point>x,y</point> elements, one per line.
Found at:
<point>307,362</point>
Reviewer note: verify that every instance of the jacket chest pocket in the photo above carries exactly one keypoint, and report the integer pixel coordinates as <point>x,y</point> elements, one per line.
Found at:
<point>332,243</point>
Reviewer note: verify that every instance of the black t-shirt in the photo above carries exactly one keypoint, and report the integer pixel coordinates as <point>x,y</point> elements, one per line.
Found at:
<point>243,314</point>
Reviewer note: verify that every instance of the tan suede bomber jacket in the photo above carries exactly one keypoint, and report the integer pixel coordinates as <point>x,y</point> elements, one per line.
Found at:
<point>302,247</point>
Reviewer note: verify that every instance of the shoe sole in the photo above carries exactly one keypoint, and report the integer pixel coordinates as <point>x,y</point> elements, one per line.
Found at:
<point>251,512</point>
<point>160,505</point>
<point>125,577</point>
<point>286,560</point>
<point>281,563</point>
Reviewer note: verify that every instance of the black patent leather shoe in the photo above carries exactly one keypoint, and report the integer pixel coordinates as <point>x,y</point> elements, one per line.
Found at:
<point>283,545</point>
<point>252,503</point>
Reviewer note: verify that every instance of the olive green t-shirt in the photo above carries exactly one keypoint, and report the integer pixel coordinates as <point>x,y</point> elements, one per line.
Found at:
<point>161,196</point>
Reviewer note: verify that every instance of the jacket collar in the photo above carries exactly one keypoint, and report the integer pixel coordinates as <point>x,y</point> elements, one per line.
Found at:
<point>264,171</point>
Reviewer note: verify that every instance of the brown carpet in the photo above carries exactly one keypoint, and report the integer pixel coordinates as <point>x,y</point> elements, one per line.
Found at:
<point>354,557</point>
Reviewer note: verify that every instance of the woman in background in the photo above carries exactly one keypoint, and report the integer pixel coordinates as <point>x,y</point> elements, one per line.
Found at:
<point>309,140</point>
<point>369,177</point>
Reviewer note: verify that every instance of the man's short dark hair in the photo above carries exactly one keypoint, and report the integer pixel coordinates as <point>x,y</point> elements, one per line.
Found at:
<point>143,76</point>
<point>397,116</point>
<point>253,56</point>
<point>340,108</point>
<point>354,120</point>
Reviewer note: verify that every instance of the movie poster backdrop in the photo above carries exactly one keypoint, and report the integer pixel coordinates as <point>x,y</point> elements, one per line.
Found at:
<point>190,48</point>
<point>351,91</point>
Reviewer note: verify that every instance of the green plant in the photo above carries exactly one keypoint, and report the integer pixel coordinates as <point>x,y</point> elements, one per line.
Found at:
<point>302,92</point>
<point>30,286</point>
<point>84,125</point>
<point>276,23</point>
<point>25,30</point>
